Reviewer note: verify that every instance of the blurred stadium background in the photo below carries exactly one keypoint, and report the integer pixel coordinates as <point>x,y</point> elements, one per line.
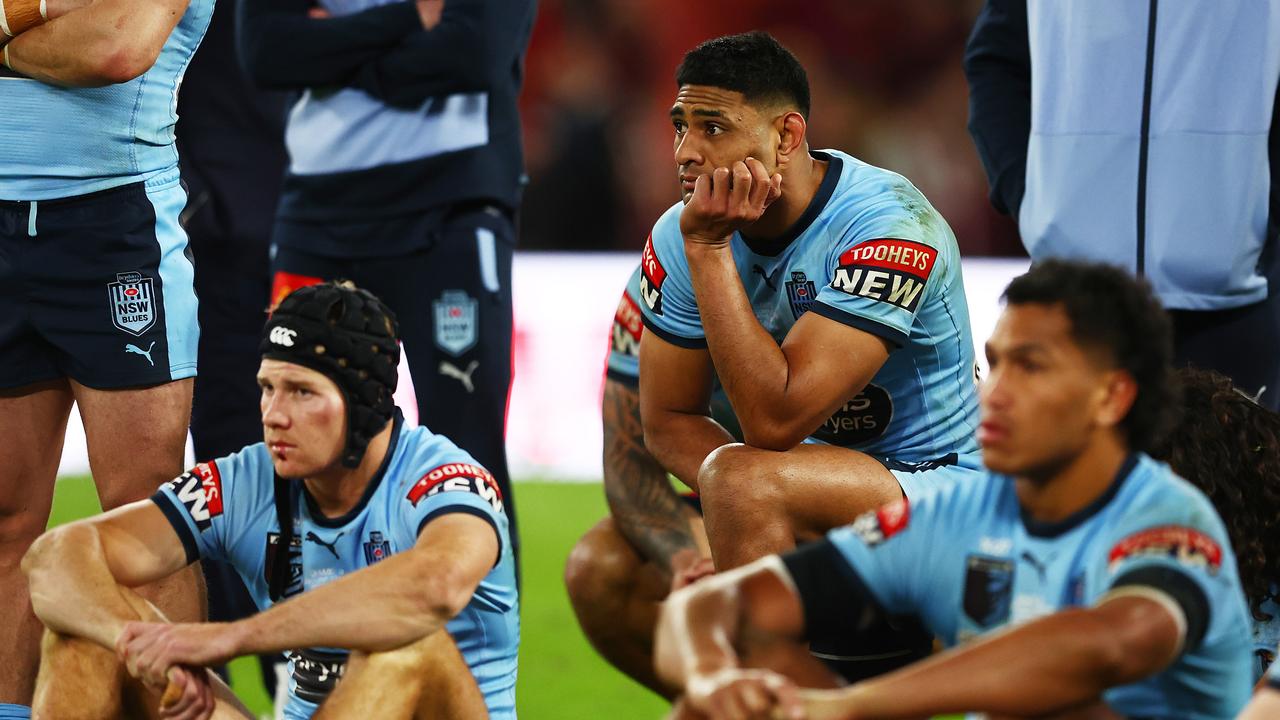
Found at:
<point>887,87</point>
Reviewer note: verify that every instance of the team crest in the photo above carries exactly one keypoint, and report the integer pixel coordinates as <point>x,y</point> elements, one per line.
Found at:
<point>988,590</point>
<point>801,293</point>
<point>457,322</point>
<point>133,307</point>
<point>377,549</point>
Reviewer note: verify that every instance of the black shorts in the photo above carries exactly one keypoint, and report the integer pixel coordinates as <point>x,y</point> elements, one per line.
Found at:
<point>97,288</point>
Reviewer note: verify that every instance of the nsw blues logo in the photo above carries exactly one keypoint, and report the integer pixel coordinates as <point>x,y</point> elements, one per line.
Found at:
<point>801,293</point>
<point>988,590</point>
<point>377,549</point>
<point>457,319</point>
<point>133,304</point>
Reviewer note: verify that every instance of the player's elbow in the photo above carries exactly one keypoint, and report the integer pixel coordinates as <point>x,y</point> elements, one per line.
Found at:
<point>773,434</point>
<point>448,591</point>
<point>118,63</point>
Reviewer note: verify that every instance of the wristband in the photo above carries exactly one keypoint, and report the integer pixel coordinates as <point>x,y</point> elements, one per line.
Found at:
<point>18,16</point>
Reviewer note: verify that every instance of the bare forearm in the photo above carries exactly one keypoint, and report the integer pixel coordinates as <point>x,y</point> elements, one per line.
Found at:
<point>1008,673</point>
<point>681,442</point>
<point>696,634</point>
<point>72,589</point>
<point>109,41</point>
<point>379,608</point>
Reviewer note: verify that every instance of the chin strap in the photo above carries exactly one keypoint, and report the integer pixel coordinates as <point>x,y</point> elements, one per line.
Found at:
<point>279,580</point>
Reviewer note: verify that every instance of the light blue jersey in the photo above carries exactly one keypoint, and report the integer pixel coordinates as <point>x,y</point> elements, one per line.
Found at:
<point>225,510</point>
<point>59,142</point>
<point>869,252</point>
<point>1150,530</point>
<point>1266,636</point>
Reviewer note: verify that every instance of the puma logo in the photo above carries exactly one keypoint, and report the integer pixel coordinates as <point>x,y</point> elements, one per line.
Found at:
<point>448,369</point>
<point>312,537</point>
<point>1042,568</point>
<point>768,279</point>
<point>131,348</point>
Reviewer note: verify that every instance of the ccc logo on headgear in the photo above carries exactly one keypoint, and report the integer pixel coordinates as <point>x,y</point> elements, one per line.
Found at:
<point>281,335</point>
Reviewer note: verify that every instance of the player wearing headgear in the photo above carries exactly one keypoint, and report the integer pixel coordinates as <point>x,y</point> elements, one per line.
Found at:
<point>1079,572</point>
<point>94,273</point>
<point>361,539</point>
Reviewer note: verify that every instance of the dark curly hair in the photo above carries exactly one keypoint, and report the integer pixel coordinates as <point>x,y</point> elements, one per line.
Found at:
<point>1118,314</point>
<point>1229,446</point>
<point>753,64</point>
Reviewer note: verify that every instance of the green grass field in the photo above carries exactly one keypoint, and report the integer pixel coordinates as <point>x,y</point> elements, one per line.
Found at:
<point>561,677</point>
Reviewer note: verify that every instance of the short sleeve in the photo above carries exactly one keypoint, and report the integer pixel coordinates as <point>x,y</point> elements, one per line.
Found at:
<point>887,262</point>
<point>195,504</point>
<point>451,487</point>
<point>624,338</point>
<point>665,289</point>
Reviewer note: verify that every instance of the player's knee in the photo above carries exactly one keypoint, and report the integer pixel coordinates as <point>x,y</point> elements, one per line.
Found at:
<point>736,477</point>
<point>600,566</point>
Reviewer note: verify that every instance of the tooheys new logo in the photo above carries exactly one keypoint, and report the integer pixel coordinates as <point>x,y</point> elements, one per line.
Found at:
<point>458,477</point>
<point>652,276</point>
<point>627,326</point>
<point>890,270</point>
<point>200,492</point>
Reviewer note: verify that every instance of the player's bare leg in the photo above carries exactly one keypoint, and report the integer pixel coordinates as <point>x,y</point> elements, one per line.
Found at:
<point>137,441</point>
<point>33,422</point>
<point>82,680</point>
<point>759,502</point>
<point>428,679</point>
<point>617,595</point>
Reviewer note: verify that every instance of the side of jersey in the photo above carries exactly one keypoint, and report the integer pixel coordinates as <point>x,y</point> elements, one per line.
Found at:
<point>871,253</point>
<point>1151,532</point>
<point>59,142</point>
<point>225,510</point>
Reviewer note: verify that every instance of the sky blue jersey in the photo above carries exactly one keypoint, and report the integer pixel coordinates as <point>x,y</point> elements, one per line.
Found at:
<point>225,510</point>
<point>60,142</point>
<point>1266,636</point>
<point>1150,530</point>
<point>869,252</point>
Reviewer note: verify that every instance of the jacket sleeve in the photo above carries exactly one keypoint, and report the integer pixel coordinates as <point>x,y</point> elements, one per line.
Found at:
<point>281,48</point>
<point>455,56</point>
<point>997,62</point>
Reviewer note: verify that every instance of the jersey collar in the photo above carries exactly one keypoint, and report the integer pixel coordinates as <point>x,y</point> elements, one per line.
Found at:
<point>320,520</point>
<point>1036,528</point>
<point>775,246</point>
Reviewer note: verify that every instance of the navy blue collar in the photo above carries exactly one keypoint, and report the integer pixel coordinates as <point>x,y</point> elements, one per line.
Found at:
<point>319,518</point>
<point>1036,528</point>
<point>774,246</point>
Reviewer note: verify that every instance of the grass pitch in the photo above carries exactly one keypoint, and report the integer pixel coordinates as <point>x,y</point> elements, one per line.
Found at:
<point>561,677</point>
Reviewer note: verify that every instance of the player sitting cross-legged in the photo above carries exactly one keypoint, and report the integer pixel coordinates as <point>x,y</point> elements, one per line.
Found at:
<point>363,541</point>
<point>1079,576</point>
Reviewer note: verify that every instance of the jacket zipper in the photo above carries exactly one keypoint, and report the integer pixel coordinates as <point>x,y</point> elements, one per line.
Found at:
<point>1145,139</point>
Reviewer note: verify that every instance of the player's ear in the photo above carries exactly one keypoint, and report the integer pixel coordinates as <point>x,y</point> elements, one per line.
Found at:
<point>1119,393</point>
<point>791,128</point>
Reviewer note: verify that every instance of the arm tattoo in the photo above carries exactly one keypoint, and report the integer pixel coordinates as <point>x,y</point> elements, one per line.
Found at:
<point>644,505</point>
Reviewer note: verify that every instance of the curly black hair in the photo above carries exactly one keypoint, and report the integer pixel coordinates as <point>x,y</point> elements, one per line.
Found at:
<point>1113,312</point>
<point>1229,446</point>
<point>754,64</point>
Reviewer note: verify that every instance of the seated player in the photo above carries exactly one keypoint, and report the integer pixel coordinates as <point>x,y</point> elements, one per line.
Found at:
<point>352,532</point>
<point>1229,446</point>
<point>1079,571</point>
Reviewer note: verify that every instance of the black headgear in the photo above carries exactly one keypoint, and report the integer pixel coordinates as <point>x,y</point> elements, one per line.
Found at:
<point>352,338</point>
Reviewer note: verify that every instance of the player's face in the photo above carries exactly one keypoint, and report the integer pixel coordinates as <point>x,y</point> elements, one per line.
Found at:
<point>303,418</point>
<point>1042,401</point>
<point>716,128</point>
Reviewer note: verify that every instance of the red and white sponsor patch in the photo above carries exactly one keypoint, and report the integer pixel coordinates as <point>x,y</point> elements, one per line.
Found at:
<point>879,525</point>
<point>628,324</point>
<point>211,482</point>
<point>888,270</point>
<point>458,477</point>
<point>652,275</point>
<point>1188,546</point>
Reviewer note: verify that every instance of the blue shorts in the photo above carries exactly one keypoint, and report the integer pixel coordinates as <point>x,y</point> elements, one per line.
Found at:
<point>921,478</point>
<point>98,288</point>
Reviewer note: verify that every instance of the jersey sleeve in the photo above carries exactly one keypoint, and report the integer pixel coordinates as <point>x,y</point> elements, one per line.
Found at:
<point>665,288</point>
<point>624,340</point>
<point>454,483</point>
<point>885,267</point>
<point>205,503</point>
<point>1180,550</point>
<point>870,565</point>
